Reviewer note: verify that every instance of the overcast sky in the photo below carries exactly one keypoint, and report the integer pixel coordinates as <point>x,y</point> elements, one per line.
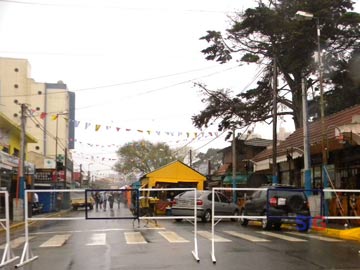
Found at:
<point>132,65</point>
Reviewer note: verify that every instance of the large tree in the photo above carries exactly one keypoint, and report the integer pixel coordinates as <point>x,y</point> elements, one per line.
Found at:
<point>144,157</point>
<point>272,31</point>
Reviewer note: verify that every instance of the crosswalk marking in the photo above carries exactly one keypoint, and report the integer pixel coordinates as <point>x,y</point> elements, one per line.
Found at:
<point>322,238</point>
<point>56,240</point>
<point>247,236</point>
<point>173,237</point>
<point>134,238</point>
<point>283,237</point>
<point>131,237</point>
<point>17,242</point>
<point>208,235</point>
<point>97,239</point>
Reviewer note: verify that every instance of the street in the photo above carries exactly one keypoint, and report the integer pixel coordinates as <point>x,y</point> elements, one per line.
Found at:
<point>117,244</point>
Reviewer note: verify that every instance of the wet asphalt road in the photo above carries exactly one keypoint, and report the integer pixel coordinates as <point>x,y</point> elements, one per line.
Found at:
<point>110,244</point>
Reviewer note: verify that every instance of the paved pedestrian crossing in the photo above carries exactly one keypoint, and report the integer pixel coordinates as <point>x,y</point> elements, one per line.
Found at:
<point>172,237</point>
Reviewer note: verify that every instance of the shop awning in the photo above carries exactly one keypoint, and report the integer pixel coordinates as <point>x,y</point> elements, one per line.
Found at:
<point>239,179</point>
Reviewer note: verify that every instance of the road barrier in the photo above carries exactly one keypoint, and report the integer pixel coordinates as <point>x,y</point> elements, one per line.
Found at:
<point>316,221</point>
<point>219,217</point>
<point>27,255</point>
<point>195,252</point>
<point>8,255</point>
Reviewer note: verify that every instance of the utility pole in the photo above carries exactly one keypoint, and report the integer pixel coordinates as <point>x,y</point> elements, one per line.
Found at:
<point>22,152</point>
<point>65,166</point>
<point>322,106</point>
<point>190,158</point>
<point>81,176</point>
<point>275,178</point>
<point>307,166</point>
<point>234,164</point>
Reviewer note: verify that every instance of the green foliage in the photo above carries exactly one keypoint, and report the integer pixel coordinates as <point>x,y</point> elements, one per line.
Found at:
<point>143,156</point>
<point>266,32</point>
<point>214,156</point>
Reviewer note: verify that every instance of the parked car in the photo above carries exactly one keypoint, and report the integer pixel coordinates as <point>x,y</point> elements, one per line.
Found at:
<point>183,205</point>
<point>281,204</point>
<point>78,201</point>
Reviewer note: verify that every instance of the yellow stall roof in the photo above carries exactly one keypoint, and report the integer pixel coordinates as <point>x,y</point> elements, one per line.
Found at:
<point>174,172</point>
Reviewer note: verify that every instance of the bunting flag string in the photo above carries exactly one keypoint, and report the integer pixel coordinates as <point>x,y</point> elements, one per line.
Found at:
<point>97,128</point>
<point>201,136</point>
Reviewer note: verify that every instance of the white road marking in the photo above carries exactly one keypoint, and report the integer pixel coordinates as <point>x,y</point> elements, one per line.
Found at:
<point>99,230</point>
<point>322,238</point>
<point>56,241</point>
<point>97,239</point>
<point>173,237</point>
<point>17,242</point>
<point>217,238</point>
<point>247,236</point>
<point>283,237</point>
<point>134,238</point>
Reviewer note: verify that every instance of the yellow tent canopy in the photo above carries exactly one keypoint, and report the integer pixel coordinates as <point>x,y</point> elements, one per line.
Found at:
<point>174,173</point>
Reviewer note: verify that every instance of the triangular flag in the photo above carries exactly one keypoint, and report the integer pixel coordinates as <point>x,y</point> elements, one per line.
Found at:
<point>54,117</point>
<point>43,115</point>
<point>97,127</point>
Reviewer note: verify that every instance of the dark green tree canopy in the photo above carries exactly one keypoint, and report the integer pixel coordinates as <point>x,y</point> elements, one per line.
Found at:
<point>273,31</point>
<point>214,156</point>
<point>144,157</point>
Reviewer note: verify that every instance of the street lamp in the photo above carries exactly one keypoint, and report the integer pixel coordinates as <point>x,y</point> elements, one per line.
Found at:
<point>309,16</point>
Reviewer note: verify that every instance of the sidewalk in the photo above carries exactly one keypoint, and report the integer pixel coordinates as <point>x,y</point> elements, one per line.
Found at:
<point>19,224</point>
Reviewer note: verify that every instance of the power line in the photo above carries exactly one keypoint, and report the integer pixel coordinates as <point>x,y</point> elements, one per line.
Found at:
<point>135,82</point>
<point>109,6</point>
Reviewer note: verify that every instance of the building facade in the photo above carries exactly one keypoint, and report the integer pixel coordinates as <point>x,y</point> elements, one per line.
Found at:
<point>49,115</point>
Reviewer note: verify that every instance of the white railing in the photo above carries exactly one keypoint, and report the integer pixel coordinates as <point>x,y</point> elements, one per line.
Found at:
<point>213,216</point>
<point>27,255</point>
<point>194,217</point>
<point>219,217</point>
<point>8,255</point>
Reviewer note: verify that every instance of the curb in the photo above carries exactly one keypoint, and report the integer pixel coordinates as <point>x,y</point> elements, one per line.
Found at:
<point>22,223</point>
<point>348,234</point>
<point>345,234</point>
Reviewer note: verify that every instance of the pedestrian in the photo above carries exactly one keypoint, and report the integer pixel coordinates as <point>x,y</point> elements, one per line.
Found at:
<point>111,199</point>
<point>104,200</point>
<point>97,199</point>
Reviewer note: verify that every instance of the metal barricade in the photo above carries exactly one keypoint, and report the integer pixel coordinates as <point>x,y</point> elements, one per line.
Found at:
<point>213,216</point>
<point>8,255</point>
<point>27,255</point>
<point>195,252</point>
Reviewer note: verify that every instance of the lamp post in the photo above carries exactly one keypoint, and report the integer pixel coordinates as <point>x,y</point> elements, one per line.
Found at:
<point>310,16</point>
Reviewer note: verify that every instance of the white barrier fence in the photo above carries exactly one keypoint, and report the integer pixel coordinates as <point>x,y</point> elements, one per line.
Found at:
<point>322,204</point>
<point>27,255</point>
<point>214,216</point>
<point>8,255</point>
<point>194,217</point>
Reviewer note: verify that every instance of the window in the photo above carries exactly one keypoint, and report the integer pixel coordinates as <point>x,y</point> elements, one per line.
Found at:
<point>16,152</point>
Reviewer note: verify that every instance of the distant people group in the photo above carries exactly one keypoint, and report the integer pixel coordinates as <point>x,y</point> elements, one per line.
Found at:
<point>104,198</point>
